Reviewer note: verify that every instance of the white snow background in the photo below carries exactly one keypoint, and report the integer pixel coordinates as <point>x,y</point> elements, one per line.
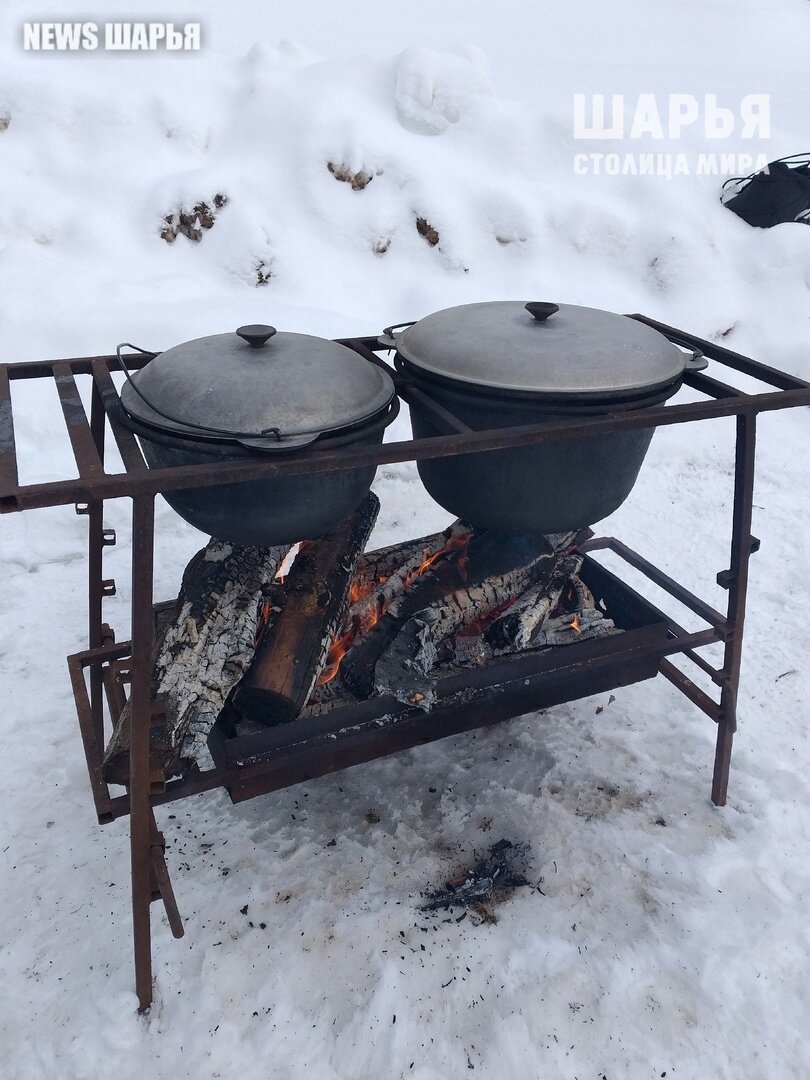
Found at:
<point>670,938</point>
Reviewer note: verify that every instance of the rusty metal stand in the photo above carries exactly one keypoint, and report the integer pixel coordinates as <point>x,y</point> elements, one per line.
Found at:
<point>315,748</point>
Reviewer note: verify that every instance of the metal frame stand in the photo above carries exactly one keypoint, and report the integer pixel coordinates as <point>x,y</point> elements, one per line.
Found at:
<point>111,665</point>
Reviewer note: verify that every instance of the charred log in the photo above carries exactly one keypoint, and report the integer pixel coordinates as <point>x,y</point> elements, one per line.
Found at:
<point>202,652</point>
<point>566,616</point>
<point>293,649</point>
<point>437,581</point>
<point>405,670</point>
<point>394,570</point>
<point>517,627</point>
<point>377,566</point>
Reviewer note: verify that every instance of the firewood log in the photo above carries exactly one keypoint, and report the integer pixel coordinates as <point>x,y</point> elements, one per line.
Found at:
<point>375,566</point>
<point>388,572</point>
<point>444,576</point>
<point>487,555</point>
<point>294,648</point>
<point>517,627</point>
<point>405,668</point>
<point>202,653</point>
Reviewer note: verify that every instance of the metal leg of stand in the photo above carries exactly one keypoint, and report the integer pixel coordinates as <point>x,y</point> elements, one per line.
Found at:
<point>738,586</point>
<point>141,817</point>
<point>95,512</point>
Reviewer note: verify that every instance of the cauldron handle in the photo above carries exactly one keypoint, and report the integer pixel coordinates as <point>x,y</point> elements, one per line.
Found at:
<point>697,361</point>
<point>281,444</point>
<point>388,336</point>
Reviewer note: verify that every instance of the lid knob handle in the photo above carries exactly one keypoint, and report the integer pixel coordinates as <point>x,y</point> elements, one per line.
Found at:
<point>541,311</point>
<point>257,334</point>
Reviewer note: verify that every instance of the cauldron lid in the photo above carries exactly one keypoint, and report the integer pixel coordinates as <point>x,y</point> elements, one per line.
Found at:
<point>541,348</point>
<point>257,386</point>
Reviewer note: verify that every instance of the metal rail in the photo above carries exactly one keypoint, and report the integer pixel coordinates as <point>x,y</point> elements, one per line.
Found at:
<point>95,483</point>
<point>137,480</point>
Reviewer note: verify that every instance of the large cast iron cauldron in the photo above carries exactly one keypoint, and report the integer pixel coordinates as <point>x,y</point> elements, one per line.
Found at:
<point>259,392</point>
<point>505,363</point>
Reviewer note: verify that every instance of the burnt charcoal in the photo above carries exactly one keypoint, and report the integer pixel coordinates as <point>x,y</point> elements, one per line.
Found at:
<point>503,867</point>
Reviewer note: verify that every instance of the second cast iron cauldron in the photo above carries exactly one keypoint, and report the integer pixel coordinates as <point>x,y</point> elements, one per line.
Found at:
<point>506,363</point>
<point>254,393</point>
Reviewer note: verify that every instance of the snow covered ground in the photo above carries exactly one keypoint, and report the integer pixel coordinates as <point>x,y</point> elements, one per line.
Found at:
<point>670,938</point>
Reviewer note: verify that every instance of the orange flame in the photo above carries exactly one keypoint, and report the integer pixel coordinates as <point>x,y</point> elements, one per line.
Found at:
<point>454,544</point>
<point>575,624</point>
<point>334,658</point>
<point>261,625</point>
<point>360,589</point>
<point>287,562</point>
<point>343,642</point>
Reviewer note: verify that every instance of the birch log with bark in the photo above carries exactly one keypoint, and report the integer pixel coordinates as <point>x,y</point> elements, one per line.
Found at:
<point>294,648</point>
<point>202,653</point>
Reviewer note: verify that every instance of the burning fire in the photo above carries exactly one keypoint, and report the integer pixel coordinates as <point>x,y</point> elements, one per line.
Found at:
<point>456,543</point>
<point>284,567</point>
<point>343,642</point>
<point>360,589</point>
<point>575,625</point>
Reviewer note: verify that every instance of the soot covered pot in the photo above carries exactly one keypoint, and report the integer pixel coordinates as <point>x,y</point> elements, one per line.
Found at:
<point>506,363</point>
<point>257,392</point>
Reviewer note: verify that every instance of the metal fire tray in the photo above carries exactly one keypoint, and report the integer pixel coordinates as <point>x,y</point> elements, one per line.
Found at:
<point>521,683</point>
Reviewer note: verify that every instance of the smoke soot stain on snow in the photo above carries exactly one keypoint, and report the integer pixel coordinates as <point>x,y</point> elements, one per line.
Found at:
<point>591,800</point>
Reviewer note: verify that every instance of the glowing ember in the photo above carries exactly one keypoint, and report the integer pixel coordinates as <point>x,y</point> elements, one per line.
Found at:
<point>262,624</point>
<point>454,544</point>
<point>575,624</point>
<point>359,591</point>
<point>476,628</point>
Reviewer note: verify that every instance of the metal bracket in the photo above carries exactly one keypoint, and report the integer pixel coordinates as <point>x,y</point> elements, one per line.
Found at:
<point>108,587</point>
<point>82,508</point>
<point>108,538</point>
<point>725,578</point>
